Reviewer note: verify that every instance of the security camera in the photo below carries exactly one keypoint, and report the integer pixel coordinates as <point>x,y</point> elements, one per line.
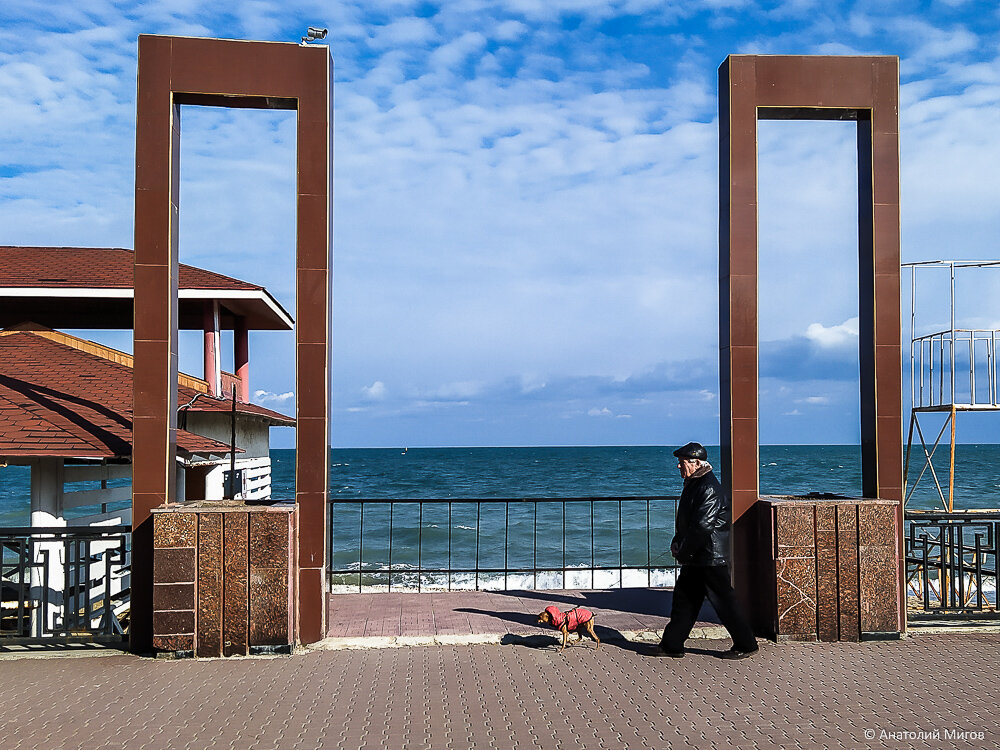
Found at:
<point>313,34</point>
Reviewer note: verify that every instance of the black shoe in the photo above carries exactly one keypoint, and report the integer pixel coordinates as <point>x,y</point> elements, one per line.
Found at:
<point>660,650</point>
<point>735,653</point>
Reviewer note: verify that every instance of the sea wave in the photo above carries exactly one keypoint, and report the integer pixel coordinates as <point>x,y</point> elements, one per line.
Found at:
<point>408,580</point>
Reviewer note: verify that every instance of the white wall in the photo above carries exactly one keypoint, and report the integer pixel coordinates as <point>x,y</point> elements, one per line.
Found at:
<point>256,479</point>
<point>252,433</point>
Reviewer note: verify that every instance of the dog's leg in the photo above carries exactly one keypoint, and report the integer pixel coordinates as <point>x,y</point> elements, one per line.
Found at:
<point>565,634</point>
<point>592,634</point>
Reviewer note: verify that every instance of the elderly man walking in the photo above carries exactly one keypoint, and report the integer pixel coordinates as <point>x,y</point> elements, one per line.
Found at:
<point>701,546</point>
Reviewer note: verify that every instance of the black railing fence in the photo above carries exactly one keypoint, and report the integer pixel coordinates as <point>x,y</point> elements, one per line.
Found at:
<point>951,563</point>
<point>500,543</point>
<point>63,583</point>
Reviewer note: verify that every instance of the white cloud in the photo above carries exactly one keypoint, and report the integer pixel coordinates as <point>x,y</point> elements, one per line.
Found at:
<point>266,398</point>
<point>606,412</point>
<point>402,32</point>
<point>833,336</point>
<point>508,31</point>
<point>374,392</point>
<point>814,400</point>
<point>933,43</point>
<point>453,53</point>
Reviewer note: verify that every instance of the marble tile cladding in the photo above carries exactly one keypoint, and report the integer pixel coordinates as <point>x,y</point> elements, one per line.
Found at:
<point>235,610</point>
<point>796,597</point>
<point>879,603</point>
<point>269,606</point>
<point>175,529</point>
<point>794,529</point>
<point>173,565</point>
<point>167,596</point>
<point>172,623</point>
<point>268,540</point>
<point>847,562</point>
<point>209,636</point>
<point>174,642</point>
<point>826,519</point>
<point>876,524</point>
<point>827,583</point>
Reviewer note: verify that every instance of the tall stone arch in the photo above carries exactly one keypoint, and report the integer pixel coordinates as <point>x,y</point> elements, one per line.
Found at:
<point>866,91</point>
<point>174,71</point>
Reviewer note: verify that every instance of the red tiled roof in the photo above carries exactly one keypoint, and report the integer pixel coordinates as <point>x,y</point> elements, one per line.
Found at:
<point>57,400</point>
<point>93,267</point>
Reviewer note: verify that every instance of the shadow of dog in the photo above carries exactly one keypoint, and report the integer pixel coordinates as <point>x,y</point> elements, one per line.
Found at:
<point>531,641</point>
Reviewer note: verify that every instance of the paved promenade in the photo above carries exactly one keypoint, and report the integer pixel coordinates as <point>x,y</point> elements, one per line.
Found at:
<point>479,616</point>
<point>516,691</point>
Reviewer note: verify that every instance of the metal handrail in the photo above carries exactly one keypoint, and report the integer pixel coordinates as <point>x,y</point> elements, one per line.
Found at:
<point>64,583</point>
<point>356,562</point>
<point>951,563</point>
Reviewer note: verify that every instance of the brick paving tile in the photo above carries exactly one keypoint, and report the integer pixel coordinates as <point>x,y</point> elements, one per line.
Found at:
<point>496,612</point>
<point>512,696</point>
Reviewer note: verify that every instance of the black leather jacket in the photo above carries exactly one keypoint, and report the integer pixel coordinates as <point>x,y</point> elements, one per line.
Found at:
<point>703,522</point>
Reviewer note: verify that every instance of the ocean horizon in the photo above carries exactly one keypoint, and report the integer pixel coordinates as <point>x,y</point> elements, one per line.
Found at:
<point>450,535</point>
<point>581,471</point>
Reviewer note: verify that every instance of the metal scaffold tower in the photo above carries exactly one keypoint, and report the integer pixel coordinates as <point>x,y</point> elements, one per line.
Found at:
<point>952,370</point>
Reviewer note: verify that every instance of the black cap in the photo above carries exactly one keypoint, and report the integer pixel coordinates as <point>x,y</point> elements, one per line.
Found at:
<point>692,450</point>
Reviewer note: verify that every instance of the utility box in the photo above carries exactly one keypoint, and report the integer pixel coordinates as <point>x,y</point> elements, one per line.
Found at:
<point>223,577</point>
<point>830,568</point>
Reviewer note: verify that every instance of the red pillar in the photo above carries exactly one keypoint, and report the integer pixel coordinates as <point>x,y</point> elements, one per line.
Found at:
<point>241,356</point>
<point>212,370</point>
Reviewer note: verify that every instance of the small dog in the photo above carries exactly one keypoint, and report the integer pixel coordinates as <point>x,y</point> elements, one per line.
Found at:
<point>577,619</point>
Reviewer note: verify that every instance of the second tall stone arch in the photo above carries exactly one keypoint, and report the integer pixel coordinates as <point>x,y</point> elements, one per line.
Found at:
<point>865,90</point>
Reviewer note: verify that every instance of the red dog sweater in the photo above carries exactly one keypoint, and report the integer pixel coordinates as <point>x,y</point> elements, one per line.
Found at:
<point>573,619</point>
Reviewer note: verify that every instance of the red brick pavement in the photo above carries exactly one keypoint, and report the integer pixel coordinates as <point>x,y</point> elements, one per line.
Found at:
<point>514,696</point>
<point>481,613</point>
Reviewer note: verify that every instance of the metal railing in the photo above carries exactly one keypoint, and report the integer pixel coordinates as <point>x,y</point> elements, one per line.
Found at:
<point>956,366</point>
<point>63,583</point>
<point>951,563</point>
<point>500,544</point>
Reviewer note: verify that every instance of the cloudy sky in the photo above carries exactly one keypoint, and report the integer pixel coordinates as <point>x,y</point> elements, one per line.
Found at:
<point>526,200</point>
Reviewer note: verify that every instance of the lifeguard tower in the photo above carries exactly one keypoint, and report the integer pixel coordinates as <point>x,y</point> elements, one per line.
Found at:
<point>952,369</point>
<point>951,555</point>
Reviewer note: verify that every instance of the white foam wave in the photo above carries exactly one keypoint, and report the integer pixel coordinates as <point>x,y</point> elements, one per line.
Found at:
<point>405,579</point>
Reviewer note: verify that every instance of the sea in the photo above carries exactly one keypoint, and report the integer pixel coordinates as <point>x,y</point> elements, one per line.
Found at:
<point>595,540</point>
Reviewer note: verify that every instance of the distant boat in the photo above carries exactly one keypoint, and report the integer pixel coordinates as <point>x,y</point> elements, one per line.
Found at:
<point>404,451</point>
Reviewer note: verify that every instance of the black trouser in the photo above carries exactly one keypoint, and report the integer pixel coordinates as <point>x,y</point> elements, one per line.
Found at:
<point>693,584</point>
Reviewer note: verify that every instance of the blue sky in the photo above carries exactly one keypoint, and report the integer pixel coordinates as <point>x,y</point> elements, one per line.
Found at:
<point>526,200</point>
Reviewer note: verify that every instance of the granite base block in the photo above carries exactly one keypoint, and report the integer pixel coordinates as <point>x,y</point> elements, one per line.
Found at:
<point>224,578</point>
<point>830,568</point>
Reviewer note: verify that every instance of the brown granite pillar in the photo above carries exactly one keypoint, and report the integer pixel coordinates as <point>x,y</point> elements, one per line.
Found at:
<point>154,423</point>
<point>861,89</point>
